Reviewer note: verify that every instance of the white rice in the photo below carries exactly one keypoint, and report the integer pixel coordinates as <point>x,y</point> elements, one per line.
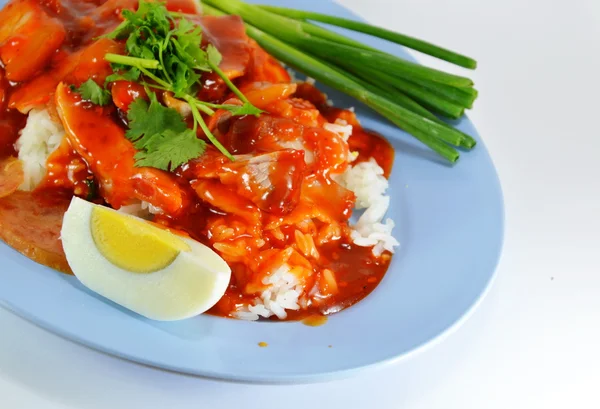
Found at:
<point>340,127</point>
<point>367,181</point>
<point>283,293</point>
<point>370,231</point>
<point>369,184</point>
<point>344,130</point>
<point>40,137</point>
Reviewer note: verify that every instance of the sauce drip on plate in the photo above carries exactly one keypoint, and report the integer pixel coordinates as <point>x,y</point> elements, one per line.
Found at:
<point>315,320</point>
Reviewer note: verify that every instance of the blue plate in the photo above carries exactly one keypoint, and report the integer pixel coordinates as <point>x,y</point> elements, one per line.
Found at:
<point>449,221</point>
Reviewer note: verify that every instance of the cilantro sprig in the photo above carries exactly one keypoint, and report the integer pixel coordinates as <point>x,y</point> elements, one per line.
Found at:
<point>164,52</point>
<point>90,91</point>
<point>161,136</point>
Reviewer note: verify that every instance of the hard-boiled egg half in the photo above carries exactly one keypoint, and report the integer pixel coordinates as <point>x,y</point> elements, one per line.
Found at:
<point>149,270</point>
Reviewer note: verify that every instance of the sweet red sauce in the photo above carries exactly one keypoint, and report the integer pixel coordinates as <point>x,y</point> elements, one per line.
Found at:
<point>315,320</point>
<point>276,198</point>
<point>357,272</point>
<point>369,145</point>
<point>11,121</point>
<point>125,92</point>
<point>67,171</point>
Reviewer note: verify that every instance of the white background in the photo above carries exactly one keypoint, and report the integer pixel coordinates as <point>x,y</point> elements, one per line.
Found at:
<point>535,340</point>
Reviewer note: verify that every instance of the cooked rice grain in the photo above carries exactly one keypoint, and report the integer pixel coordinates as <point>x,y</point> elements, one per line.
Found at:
<point>40,137</point>
<point>367,181</point>
<point>283,292</point>
<point>306,244</point>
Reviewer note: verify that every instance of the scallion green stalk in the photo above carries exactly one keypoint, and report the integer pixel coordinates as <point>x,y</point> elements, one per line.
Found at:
<point>407,41</point>
<point>462,96</point>
<point>375,85</point>
<point>398,89</point>
<point>291,31</point>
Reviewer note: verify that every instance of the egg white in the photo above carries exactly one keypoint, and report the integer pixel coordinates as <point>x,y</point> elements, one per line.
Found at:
<point>189,286</point>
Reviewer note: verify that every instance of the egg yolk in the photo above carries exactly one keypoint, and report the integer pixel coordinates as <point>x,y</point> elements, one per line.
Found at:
<point>132,244</point>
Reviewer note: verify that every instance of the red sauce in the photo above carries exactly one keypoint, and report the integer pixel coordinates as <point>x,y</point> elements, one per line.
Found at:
<point>258,212</point>
<point>367,144</point>
<point>213,88</point>
<point>125,92</point>
<point>11,122</point>
<point>372,145</point>
<point>356,270</point>
<point>67,171</point>
<point>357,273</point>
<point>315,320</point>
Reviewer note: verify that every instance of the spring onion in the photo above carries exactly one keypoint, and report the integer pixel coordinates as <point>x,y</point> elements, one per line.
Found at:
<point>406,93</point>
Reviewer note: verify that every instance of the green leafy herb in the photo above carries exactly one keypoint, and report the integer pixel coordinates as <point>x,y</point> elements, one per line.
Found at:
<point>132,74</point>
<point>164,52</point>
<point>240,110</point>
<point>166,49</point>
<point>161,136</point>
<point>171,150</point>
<point>147,120</point>
<point>214,56</point>
<point>94,93</point>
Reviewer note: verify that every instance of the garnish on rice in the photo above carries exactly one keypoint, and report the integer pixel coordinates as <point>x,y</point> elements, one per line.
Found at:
<point>164,52</point>
<point>189,122</point>
<point>92,92</point>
